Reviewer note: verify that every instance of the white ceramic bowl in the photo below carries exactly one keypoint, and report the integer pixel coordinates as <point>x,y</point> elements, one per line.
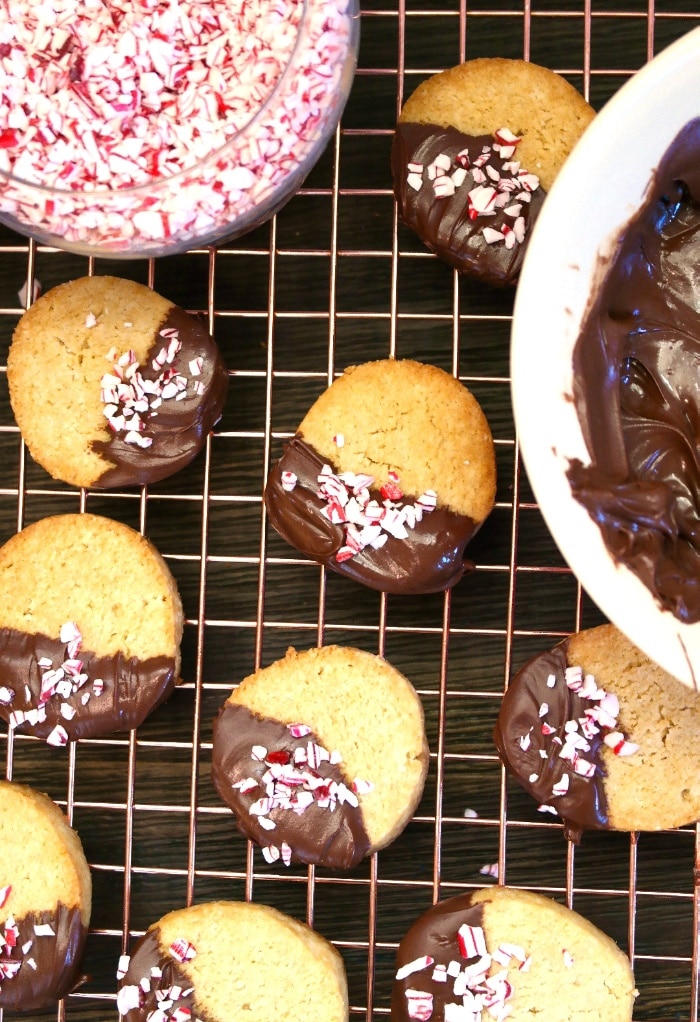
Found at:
<point>599,189</point>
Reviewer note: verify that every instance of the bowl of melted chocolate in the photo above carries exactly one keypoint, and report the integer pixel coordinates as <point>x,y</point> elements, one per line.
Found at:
<point>606,359</point>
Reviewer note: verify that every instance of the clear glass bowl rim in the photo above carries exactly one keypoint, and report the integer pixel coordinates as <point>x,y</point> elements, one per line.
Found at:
<point>164,182</point>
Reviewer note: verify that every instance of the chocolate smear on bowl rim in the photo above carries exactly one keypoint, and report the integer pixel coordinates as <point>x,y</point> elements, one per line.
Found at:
<point>637,390</point>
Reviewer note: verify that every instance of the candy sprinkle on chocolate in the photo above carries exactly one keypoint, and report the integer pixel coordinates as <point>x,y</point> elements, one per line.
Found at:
<point>481,994</point>
<point>487,188</point>
<point>367,522</point>
<point>292,782</point>
<point>129,398</point>
<point>599,718</point>
<point>182,951</point>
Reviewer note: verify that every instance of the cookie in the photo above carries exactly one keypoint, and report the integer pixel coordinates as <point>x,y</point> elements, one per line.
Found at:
<point>597,732</point>
<point>112,385</point>
<point>390,474</point>
<point>226,961</point>
<point>322,756</point>
<point>90,628</point>
<point>475,151</point>
<point>504,952</point>
<point>45,900</point>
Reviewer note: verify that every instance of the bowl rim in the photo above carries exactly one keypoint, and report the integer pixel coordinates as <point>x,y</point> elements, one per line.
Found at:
<point>549,308</point>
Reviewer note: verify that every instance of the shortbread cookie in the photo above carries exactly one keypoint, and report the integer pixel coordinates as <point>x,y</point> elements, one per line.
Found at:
<point>475,152</point>
<point>228,961</point>
<point>598,733</point>
<point>391,472</point>
<point>506,953</point>
<point>322,756</point>
<point>112,385</point>
<point>45,900</point>
<point>90,628</point>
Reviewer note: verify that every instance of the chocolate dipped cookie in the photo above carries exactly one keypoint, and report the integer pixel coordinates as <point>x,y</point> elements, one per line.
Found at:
<point>390,474</point>
<point>45,900</point>
<point>475,152</point>
<point>598,733</point>
<point>113,385</point>
<point>90,628</point>
<point>228,961</point>
<point>322,756</point>
<point>506,953</point>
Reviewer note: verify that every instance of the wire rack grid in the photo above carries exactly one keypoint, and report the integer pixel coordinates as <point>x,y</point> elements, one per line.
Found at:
<point>334,280</point>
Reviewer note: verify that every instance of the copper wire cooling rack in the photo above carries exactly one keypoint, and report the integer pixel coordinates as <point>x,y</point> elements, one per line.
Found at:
<point>331,281</point>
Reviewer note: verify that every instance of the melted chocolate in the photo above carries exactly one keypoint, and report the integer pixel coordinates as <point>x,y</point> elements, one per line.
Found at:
<point>132,688</point>
<point>434,934</point>
<point>584,805</point>
<point>147,955</point>
<point>57,959</point>
<point>637,389</point>
<point>179,428</point>
<point>444,223</point>
<point>334,838</point>
<point>430,560</point>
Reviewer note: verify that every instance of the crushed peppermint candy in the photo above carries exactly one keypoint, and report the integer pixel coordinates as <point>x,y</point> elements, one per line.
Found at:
<point>600,718</point>
<point>417,965</point>
<point>107,103</point>
<point>9,941</point>
<point>420,1004</point>
<point>62,681</point>
<point>481,990</point>
<point>366,522</point>
<point>492,183</point>
<point>130,399</point>
<point>182,950</point>
<point>158,1002</point>
<point>489,869</point>
<point>292,781</point>
<point>128,997</point>
<point>123,966</point>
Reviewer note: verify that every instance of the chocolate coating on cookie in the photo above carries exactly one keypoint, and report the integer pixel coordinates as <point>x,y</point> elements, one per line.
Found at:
<point>178,429</point>
<point>521,741</point>
<point>322,836</point>
<point>429,560</point>
<point>161,973</point>
<point>49,966</point>
<point>448,223</point>
<point>434,934</point>
<point>636,389</point>
<point>130,688</point>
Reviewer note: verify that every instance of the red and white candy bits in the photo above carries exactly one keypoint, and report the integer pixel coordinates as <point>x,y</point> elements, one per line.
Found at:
<point>292,781</point>
<point>137,119</point>
<point>491,183</point>
<point>365,521</point>
<point>480,991</point>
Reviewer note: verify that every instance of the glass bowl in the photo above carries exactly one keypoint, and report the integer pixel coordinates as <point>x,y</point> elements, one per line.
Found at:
<point>600,188</point>
<point>216,147</point>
